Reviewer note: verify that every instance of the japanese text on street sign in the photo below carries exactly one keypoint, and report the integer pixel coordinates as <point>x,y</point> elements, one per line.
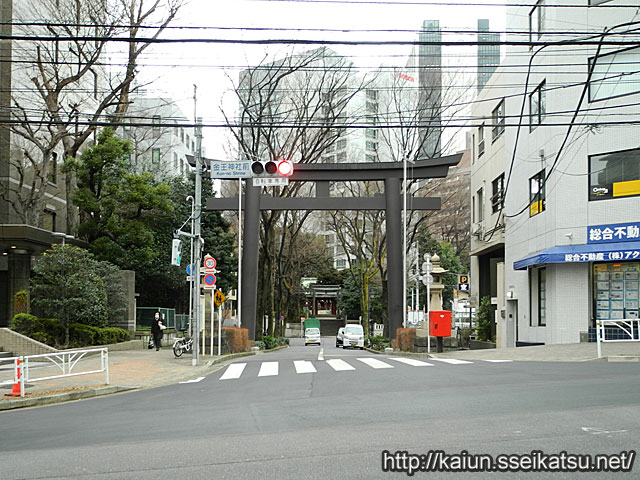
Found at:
<point>619,232</point>
<point>231,169</point>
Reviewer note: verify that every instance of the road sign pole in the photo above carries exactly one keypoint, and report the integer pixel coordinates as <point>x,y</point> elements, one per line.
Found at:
<point>212,329</point>
<point>220,330</point>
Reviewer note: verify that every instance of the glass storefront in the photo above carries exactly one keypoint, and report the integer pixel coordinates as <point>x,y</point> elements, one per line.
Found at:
<point>616,289</point>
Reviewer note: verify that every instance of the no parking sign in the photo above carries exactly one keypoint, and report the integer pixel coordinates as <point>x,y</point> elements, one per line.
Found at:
<point>209,281</point>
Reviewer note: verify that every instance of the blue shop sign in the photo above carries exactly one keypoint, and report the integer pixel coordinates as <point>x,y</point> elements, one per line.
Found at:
<point>618,232</point>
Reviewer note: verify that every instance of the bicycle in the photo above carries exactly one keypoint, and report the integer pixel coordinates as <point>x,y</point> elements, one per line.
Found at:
<point>182,345</point>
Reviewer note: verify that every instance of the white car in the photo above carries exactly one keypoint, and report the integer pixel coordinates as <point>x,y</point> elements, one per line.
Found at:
<point>339,337</point>
<point>312,336</point>
<point>353,337</point>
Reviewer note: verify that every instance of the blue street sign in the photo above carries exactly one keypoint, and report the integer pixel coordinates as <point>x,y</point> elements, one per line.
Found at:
<point>189,268</point>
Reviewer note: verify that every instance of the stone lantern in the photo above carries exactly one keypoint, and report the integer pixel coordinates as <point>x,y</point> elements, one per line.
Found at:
<point>435,298</point>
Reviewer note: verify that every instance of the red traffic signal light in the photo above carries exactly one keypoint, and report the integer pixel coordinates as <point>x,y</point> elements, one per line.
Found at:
<point>285,168</point>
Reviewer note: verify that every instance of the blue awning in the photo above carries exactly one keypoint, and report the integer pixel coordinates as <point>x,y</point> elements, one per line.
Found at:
<point>602,252</point>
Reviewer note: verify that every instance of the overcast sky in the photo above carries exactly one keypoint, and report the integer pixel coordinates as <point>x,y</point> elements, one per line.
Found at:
<point>176,68</point>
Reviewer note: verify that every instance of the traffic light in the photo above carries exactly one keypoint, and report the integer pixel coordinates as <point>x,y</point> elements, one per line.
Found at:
<point>272,168</point>
<point>176,249</point>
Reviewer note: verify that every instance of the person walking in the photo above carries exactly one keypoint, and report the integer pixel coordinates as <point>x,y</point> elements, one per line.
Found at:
<point>156,330</point>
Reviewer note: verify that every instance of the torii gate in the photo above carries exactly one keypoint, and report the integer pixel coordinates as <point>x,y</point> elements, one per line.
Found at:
<point>322,174</point>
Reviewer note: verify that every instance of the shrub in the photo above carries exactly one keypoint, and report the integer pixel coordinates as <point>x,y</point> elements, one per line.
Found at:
<point>378,342</point>
<point>21,302</point>
<point>237,338</point>
<point>259,344</point>
<point>49,331</point>
<point>484,317</point>
<point>406,338</point>
<point>45,330</point>
<point>273,342</point>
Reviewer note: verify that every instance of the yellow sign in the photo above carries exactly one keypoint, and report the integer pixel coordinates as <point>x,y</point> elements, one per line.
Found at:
<point>219,298</point>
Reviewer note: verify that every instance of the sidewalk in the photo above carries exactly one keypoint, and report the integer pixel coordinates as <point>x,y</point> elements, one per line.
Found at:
<point>573,352</point>
<point>128,370</point>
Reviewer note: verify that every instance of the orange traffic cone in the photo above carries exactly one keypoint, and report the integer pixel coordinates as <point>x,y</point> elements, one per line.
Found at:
<point>15,391</point>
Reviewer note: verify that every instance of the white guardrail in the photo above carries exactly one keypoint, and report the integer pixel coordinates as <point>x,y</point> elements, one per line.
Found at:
<point>66,362</point>
<point>631,329</point>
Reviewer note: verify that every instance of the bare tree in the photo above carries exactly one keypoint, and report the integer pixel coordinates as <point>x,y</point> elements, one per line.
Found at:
<point>421,118</point>
<point>64,86</point>
<point>293,108</point>
<point>361,235</point>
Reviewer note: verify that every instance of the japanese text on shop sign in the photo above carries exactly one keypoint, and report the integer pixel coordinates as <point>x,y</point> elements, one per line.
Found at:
<point>601,256</point>
<point>621,232</point>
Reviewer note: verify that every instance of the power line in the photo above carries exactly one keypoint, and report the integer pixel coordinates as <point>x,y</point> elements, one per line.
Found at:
<point>293,41</point>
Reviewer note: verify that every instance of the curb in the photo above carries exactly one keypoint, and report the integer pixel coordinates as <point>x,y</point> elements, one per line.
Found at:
<point>10,404</point>
<point>61,397</point>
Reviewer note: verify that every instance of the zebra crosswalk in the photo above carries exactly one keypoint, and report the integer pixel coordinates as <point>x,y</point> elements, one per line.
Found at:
<point>270,369</point>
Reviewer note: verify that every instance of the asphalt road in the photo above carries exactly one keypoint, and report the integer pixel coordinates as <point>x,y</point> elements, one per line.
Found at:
<point>312,419</point>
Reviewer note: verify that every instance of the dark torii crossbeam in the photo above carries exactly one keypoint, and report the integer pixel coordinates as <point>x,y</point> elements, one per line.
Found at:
<point>322,174</point>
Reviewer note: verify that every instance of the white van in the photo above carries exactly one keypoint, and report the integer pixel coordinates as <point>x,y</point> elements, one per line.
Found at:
<point>353,336</point>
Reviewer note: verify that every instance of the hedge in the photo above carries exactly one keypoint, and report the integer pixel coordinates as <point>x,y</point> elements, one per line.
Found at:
<point>51,332</point>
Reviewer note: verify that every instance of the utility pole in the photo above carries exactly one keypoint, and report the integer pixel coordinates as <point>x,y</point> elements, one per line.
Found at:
<point>197,251</point>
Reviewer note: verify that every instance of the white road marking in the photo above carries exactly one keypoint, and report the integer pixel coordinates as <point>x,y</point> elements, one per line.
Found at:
<point>268,369</point>
<point>321,354</point>
<point>498,361</point>
<point>339,365</point>
<point>304,366</point>
<point>233,371</point>
<point>375,363</point>
<point>412,361</point>
<point>452,361</point>
<point>195,380</point>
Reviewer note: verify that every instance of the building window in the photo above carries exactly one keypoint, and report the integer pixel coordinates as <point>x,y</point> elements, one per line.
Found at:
<point>341,263</point>
<point>497,197</point>
<point>372,95</point>
<point>329,159</point>
<point>372,107</point>
<point>341,157</point>
<point>372,146</point>
<point>341,144</point>
<point>497,117</point>
<point>537,106</point>
<point>542,297</point>
<point>372,133</point>
<point>536,194</point>
<point>480,140</point>
<point>537,21</point>
<point>175,160</point>
<point>479,201</point>
<point>615,74</point>
<point>155,156</point>
<point>371,119</point>
<point>49,220</point>
<point>616,290</point>
<point>614,175</point>
<point>53,168</point>
<point>371,158</point>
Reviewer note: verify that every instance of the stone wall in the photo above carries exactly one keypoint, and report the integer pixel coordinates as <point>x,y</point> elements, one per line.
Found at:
<point>20,345</point>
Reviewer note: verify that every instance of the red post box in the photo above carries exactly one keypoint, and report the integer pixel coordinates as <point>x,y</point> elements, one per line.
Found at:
<point>440,323</point>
